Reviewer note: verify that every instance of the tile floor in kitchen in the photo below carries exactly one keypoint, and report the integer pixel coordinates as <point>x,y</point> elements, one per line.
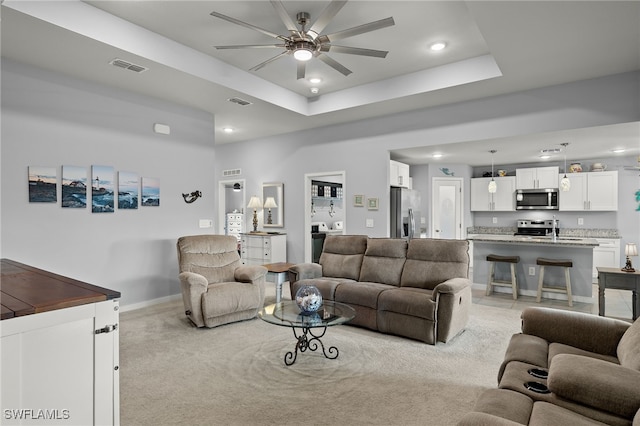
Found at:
<point>617,302</point>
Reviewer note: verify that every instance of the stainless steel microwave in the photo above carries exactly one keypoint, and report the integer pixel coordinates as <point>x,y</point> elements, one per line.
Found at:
<point>537,199</point>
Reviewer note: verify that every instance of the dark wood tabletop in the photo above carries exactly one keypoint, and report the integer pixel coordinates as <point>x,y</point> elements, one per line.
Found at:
<point>28,290</point>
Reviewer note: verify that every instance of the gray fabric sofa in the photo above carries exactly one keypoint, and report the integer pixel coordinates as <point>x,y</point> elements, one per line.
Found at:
<point>593,367</point>
<point>418,289</point>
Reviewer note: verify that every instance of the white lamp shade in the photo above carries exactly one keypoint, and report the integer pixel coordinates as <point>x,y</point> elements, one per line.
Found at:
<point>492,186</point>
<point>270,203</point>
<point>255,203</point>
<point>631,249</point>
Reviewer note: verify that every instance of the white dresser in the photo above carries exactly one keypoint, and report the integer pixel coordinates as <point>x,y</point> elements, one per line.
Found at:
<point>235,224</point>
<point>259,248</point>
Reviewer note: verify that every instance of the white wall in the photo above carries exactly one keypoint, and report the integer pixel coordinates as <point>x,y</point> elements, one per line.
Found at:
<point>362,148</point>
<point>50,120</point>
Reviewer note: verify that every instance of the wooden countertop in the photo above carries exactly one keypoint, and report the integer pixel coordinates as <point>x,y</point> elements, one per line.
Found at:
<point>545,241</point>
<point>27,290</point>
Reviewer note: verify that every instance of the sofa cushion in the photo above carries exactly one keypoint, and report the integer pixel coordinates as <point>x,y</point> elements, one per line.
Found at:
<point>432,261</point>
<point>629,347</point>
<point>544,413</point>
<point>342,256</point>
<point>228,298</point>
<point>360,293</point>
<point>408,301</point>
<point>505,404</point>
<point>326,286</point>
<point>383,260</point>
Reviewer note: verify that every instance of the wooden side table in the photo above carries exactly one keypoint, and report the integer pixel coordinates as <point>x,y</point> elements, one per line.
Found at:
<point>279,273</point>
<point>620,280</point>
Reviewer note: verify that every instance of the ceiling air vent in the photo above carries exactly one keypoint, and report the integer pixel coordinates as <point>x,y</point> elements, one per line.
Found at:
<point>128,65</point>
<point>231,172</point>
<point>239,101</point>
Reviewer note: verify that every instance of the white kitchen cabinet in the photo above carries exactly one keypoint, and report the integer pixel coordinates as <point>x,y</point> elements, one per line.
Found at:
<point>590,191</point>
<point>537,177</point>
<point>399,174</point>
<point>261,248</point>
<point>502,200</point>
<point>607,254</point>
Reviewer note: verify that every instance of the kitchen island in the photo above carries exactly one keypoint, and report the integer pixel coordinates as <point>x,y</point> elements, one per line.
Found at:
<point>579,250</point>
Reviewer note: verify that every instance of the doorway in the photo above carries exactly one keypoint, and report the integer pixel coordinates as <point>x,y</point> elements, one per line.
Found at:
<point>446,208</point>
<point>337,177</point>
<point>230,199</point>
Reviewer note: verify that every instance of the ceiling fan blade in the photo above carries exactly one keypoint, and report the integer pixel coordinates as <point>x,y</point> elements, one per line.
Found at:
<point>302,67</point>
<point>361,29</point>
<point>268,61</point>
<point>353,50</point>
<point>325,17</point>
<point>286,19</point>
<point>251,46</point>
<point>244,24</point>
<point>334,64</point>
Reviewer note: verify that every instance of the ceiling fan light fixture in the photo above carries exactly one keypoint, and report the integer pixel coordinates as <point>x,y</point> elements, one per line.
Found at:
<point>303,53</point>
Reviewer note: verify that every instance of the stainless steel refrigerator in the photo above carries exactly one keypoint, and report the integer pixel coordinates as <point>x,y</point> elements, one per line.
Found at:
<point>405,213</point>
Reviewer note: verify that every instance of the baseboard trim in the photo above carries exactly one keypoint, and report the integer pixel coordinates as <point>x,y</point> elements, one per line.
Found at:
<point>147,303</point>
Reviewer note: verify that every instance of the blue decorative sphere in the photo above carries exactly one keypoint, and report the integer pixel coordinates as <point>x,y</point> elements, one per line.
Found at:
<point>308,299</point>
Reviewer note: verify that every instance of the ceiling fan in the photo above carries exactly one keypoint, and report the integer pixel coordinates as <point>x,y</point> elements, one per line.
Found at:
<point>306,43</point>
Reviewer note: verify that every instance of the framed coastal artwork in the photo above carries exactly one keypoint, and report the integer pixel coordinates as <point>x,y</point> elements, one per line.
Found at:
<point>150,191</point>
<point>128,190</point>
<point>102,189</point>
<point>43,184</point>
<point>74,187</point>
<point>358,201</point>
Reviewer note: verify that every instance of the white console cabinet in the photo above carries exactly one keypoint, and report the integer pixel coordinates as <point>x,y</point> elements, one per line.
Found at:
<point>259,248</point>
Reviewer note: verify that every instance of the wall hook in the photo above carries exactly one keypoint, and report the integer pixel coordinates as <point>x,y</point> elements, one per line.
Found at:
<point>190,198</point>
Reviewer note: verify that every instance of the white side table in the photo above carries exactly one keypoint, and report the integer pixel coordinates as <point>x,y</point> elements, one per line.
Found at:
<point>278,271</point>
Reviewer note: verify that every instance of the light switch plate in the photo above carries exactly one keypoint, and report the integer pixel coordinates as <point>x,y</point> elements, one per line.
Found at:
<point>494,220</point>
<point>369,223</point>
<point>206,223</point>
<point>580,221</point>
<point>532,270</point>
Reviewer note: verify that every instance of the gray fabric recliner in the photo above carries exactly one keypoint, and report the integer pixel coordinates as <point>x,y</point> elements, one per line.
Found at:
<point>216,288</point>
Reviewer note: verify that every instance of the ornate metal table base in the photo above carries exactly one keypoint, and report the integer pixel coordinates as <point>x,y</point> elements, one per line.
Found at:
<point>312,343</point>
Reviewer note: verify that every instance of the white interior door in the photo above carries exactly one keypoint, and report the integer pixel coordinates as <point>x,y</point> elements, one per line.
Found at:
<point>446,208</point>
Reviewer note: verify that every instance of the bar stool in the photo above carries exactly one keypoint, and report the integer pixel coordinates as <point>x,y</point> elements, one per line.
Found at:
<point>512,260</point>
<point>563,263</point>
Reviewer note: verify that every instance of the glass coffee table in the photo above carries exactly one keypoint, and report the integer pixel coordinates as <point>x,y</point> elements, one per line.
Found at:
<point>308,329</point>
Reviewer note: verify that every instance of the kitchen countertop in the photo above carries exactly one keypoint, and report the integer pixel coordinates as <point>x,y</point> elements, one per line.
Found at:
<point>527,240</point>
<point>564,232</point>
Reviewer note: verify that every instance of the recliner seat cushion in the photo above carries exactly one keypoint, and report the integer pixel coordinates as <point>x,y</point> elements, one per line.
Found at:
<point>360,293</point>
<point>229,297</point>
<point>408,301</point>
<point>383,261</point>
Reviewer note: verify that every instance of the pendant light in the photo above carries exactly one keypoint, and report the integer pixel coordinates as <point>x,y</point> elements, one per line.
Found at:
<point>565,183</point>
<point>492,185</point>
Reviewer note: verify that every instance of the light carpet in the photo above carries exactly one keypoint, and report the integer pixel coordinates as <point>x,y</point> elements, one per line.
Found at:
<point>174,374</point>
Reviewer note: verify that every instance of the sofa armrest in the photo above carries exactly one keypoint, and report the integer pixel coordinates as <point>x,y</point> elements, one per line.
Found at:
<point>249,274</point>
<point>581,330</point>
<point>451,286</point>
<point>303,271</point>
<point>596,383</point>
<point>193,286</point>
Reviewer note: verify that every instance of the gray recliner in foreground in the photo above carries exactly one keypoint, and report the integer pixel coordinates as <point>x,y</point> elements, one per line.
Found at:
<point>216,288</point>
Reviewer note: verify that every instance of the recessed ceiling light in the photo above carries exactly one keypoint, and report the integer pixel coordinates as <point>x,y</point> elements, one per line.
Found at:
<point>438,46</point>
<point>227,129</point>
<point>545,157</point>
<point>315,80</point>
<point>618,150</point>
<point>437,156</point>
<point>314,90</point>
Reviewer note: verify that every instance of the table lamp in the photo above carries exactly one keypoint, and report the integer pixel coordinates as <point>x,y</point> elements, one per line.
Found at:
<point>630,250</point>
<point>270,203</point>
<point>255,204</point>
